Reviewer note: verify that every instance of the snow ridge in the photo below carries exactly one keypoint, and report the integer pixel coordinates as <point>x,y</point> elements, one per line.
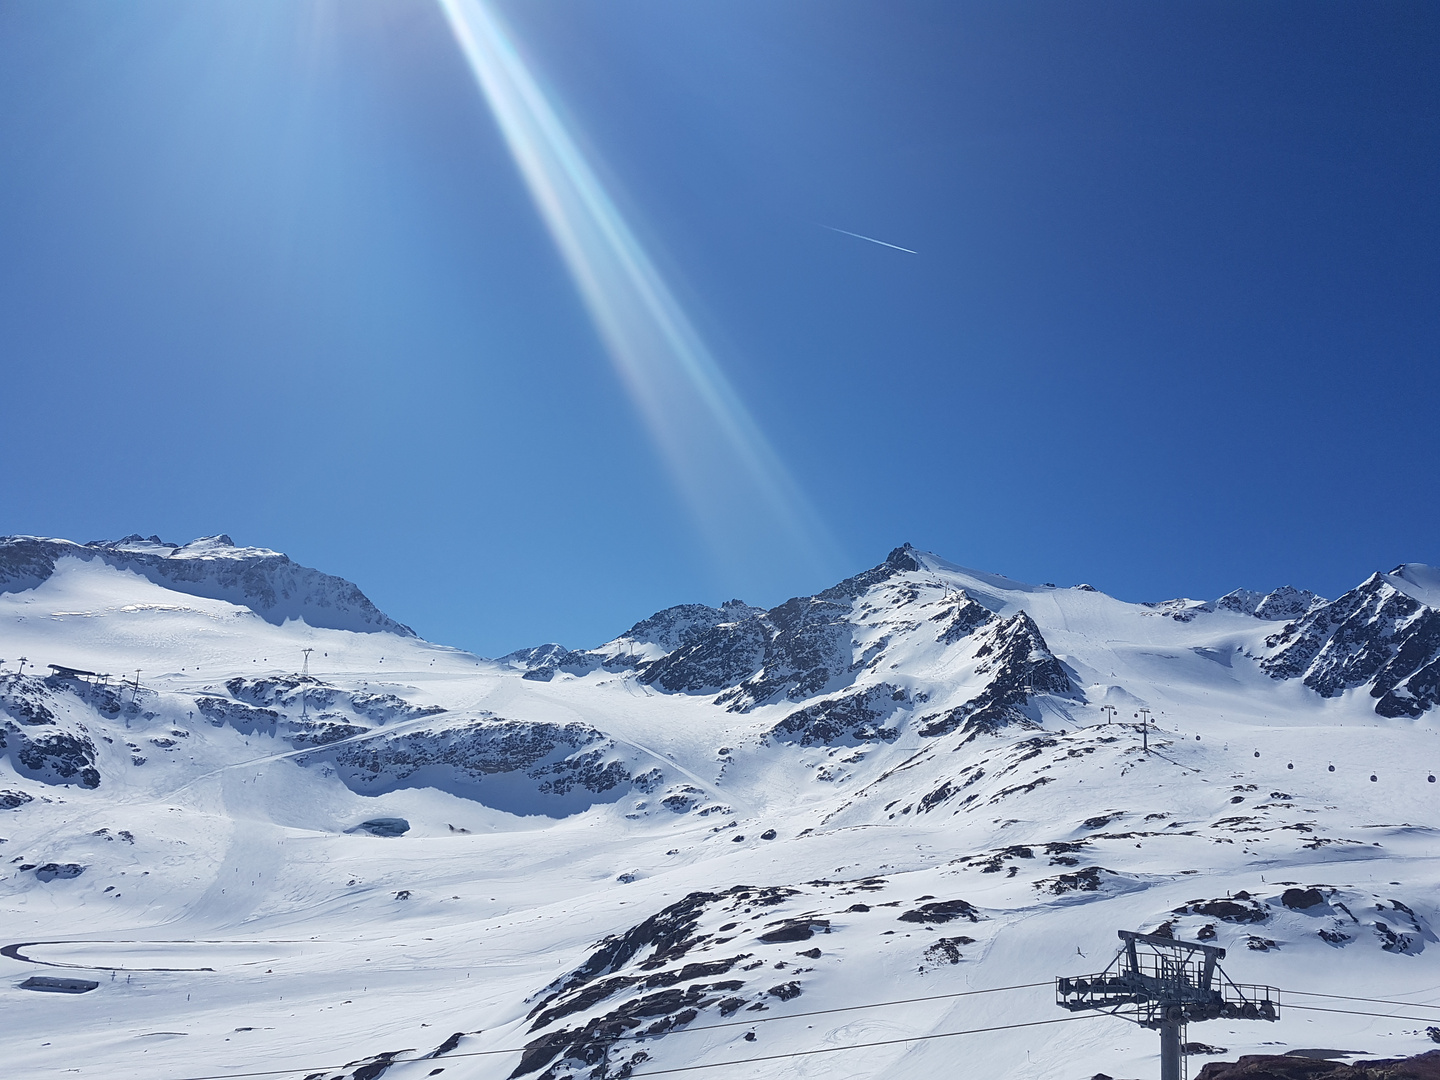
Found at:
<point>265,581</point>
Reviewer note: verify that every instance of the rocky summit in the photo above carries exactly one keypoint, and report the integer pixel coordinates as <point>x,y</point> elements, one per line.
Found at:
<point>260,825</point>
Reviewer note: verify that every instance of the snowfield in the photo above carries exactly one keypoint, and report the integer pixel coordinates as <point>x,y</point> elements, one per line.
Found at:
<point>807,840</point>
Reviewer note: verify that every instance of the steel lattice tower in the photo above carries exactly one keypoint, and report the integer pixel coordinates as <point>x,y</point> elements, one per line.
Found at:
<point>1170,983</point>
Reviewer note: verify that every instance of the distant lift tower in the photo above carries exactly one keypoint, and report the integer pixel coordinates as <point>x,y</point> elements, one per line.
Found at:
<point>1170,983</point>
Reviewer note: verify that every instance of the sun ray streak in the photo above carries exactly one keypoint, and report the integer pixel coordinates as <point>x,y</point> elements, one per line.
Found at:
<point>723,463</point>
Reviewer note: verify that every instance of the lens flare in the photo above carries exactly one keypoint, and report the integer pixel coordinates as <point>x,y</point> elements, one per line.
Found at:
<point>723,464</point>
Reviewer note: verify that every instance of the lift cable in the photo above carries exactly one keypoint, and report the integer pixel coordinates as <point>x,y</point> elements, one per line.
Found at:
<point>1368,1000</point>
<point>706,1027</point>
<point>1354,1012</point>
<point>863,1046</point>
<point>818,1050</point>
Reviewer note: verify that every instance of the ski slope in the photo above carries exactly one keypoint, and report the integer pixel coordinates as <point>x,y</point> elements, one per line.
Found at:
<point>580,836</point>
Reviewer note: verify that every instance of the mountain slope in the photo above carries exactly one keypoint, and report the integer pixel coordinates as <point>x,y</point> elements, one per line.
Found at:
<point>266,582</point>
<point>926,780</point>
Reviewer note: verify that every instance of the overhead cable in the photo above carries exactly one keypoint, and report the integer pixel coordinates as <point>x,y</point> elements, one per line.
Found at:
<point>705,1027</point>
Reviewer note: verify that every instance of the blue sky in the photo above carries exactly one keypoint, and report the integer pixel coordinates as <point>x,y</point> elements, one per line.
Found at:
<point>270,269</point>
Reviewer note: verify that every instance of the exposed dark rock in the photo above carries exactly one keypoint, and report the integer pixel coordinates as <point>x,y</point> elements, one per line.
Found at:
<point>962,617</point>
<point>246,719</point>
<point>1292,1066</point>
<point>1240,601</point>
<point>1086,880</point>
<point>1301,899</point>
<point>843,721</point>
<point>543,661</point>
<point>1375,634</point>
<point>1022,789</point>
<point>1014,654</point>
<point>590,1045</point>
<point>55,758</point>
<point>322,732</point>
<point>682,798</point>
<point>1287,602</point>
<point>52,871</point>
<point>929,802</point>
<point>512,765</point>
<point>304,692</point>
<point>448,1045</point>
<point>795,650</point>
<point>387,708</point>
<point>796,930</point>
<point>721,656</point>
<point>375,1067</point>
<point>1392,941</point>
<point>669,934</point>
<point>995,862</point>
<point>942,911</point>
<point>1283,603</point>
<point>1239,909</point>
<point>946,950</point>
<point>24,703</point>
<point>1179,609</point>
<point>647,985</point>
<point>283,690</point>
<point>11,799</point>
<point>683,624</point>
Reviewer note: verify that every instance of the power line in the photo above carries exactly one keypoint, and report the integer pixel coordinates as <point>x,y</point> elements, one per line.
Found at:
<point>830,1049</point>
<point>706,1027</point>
<point>863,1046</point>
<point>1354,1012</point>
<point>685,1068</point>
<point>1372,1001</point>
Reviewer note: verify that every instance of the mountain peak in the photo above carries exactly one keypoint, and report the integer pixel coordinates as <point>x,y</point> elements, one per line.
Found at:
<point>903,558</point>
<point>1278,605</point>
<point>267,582</point>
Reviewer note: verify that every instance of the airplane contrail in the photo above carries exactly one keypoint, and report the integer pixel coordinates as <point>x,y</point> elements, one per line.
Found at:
<point>861,236</point>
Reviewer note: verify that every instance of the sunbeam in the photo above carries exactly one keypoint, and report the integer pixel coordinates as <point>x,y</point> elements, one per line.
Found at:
<point>722,462</point>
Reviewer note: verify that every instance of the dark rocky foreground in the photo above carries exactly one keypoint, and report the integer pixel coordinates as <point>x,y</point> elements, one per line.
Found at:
<point>1296,1067</point>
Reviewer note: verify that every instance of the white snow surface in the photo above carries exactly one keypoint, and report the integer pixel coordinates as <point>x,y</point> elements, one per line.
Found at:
<point>236,924</point>
<point>1418,581</point>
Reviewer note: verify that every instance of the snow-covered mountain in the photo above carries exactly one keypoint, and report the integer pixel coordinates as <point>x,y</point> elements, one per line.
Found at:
<point>263,581</point>
<point>301,836</point>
